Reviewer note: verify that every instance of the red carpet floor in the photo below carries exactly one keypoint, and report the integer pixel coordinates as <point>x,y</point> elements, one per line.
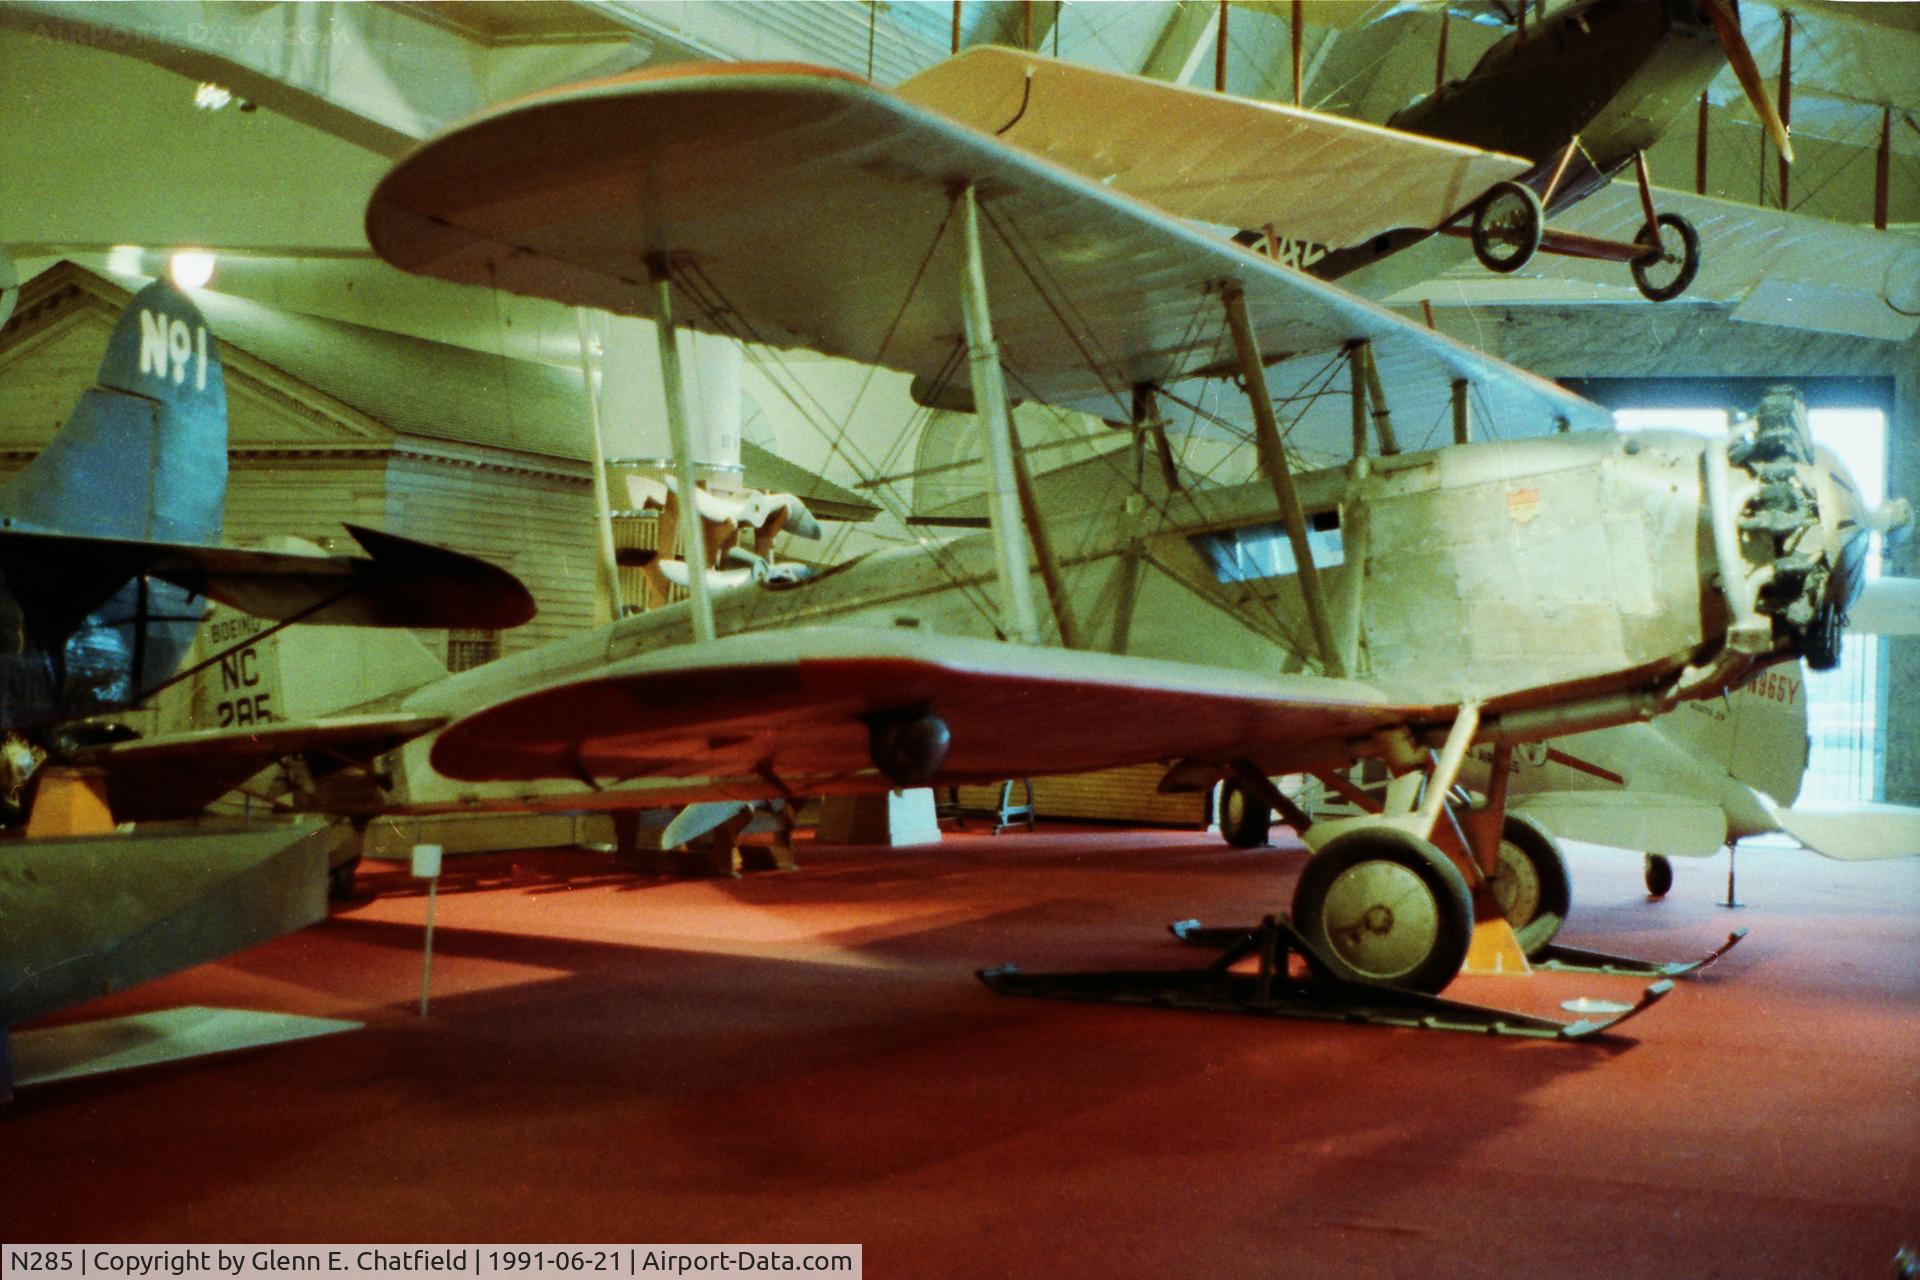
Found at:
<point>806,1058</point>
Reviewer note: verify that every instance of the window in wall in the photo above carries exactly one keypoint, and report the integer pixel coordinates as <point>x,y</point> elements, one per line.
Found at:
<point>1845,705</point>
<point>469,649</point>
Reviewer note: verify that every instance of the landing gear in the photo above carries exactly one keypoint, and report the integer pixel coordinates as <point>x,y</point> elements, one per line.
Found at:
<point>1382,905</point>
<point>1532,885</point>
<point>1659,875</point>
<point>340,880</point>
<point>1672,258</point>
<point>1507,227</point>
<point>1243,819</point>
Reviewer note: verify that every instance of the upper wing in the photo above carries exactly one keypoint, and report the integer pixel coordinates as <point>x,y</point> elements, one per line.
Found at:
<point>805,208</point>
<point>1234,161</point>
<point>399,583</point>
<point>771,712</point>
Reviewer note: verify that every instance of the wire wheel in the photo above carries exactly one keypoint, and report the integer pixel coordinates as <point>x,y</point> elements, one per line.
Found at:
<point>1382,905</point>
<point>1672,259</point>
<point>1507,227</point>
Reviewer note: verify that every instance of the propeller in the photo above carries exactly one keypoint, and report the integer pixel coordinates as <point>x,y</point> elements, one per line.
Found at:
<point>1726,24</point>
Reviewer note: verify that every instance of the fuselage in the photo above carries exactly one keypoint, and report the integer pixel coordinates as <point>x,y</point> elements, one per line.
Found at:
<point>1561,582</point>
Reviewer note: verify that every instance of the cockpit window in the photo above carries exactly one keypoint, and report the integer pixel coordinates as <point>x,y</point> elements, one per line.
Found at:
<point>1255,552</point>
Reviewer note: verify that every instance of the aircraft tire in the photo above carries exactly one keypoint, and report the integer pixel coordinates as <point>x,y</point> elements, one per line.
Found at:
<point>1533,886</point>
<point>1243,819</point>
<point>1382,905</point>
<point>1657,243</point>
<point>340,880</point>
<point>1507,227</point>
<point>1659,875</point>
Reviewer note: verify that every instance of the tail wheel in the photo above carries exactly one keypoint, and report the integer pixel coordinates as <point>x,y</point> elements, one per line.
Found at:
<point>1243,819</point>
<point>1659,875</point>
<point>1532,886</point>
<point>340,880</point>
<point>1507,227</point>
<point>1382,905</point>
<point>1672,258</point>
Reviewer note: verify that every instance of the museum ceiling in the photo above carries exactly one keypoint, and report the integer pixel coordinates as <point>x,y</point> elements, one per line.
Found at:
<point>112,163</point>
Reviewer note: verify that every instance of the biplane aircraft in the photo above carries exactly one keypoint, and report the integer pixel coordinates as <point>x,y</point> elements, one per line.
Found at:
<point>1545,118</point>
<point>108,548</point>
<point>1501,592</point>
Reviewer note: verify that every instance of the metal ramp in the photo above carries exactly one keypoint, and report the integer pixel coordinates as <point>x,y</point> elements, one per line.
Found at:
<point>1272,990</point>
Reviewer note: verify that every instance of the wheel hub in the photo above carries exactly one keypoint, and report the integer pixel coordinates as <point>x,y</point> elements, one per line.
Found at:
<point>1381,919</point>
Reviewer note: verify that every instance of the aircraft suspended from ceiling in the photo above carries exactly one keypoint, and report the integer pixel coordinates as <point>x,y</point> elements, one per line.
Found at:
<point>1541,124</point>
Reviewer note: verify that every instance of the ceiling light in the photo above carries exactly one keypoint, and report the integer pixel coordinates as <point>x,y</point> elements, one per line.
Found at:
<point>191,268</point>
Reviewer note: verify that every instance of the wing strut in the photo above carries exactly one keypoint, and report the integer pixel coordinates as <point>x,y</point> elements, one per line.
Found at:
<point>990,401</point>
<point>1273,460</point>
<point>676,392</point>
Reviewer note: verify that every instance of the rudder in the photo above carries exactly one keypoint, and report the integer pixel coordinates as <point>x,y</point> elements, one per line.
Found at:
<point>144,454</point>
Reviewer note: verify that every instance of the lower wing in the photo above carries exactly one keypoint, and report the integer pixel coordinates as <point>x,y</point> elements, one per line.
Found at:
<point>809,710</point>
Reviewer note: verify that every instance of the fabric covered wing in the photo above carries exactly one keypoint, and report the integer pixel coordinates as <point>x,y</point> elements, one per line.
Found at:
<point>179,775</point>
<point>760,714</point>
<point>804,208</point>
<point>1234,161</point>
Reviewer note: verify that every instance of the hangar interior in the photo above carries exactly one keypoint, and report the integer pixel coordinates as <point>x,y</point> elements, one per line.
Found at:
<point>464,417</point>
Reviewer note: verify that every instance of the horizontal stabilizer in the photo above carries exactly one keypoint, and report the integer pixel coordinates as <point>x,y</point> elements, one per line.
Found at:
<point>1670,825</point>
<point>398,583</point>
<point>1887,607</point>
<point>1858,832</point>
<point>178,775</point>
<point>697,820</point>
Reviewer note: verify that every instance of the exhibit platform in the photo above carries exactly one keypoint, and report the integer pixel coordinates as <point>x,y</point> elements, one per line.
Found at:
<point>808,1057</point>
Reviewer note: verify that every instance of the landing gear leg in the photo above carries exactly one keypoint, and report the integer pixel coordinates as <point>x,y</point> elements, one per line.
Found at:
<point>1733,848</point>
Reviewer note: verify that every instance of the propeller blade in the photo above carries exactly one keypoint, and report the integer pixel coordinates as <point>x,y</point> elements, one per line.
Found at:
<point>1727,26</point>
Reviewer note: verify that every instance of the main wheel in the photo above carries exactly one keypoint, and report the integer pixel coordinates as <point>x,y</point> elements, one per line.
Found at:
<point>1243,819</point>
<point>1659,875</point>
<point>1672,259</point>
<point>1382,905</point>
<point>1532,886</point>
<point>1507,227</point>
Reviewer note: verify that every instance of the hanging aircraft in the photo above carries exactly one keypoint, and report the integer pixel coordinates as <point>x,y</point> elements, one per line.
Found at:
<point>108,553</point>
<point>1214,631</point>
<point>1541,124</point>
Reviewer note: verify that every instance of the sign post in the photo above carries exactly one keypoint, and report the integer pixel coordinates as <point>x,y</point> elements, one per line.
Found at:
<point>426,866</point>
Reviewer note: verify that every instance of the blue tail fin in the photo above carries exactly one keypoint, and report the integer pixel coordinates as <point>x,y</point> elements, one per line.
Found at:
<point>144,455</point>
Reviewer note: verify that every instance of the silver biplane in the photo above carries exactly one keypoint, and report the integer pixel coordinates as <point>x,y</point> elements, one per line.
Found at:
<point>1400,607</point>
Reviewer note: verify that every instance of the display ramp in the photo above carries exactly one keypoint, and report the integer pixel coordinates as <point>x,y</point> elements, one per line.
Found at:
<point>84,916</point>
